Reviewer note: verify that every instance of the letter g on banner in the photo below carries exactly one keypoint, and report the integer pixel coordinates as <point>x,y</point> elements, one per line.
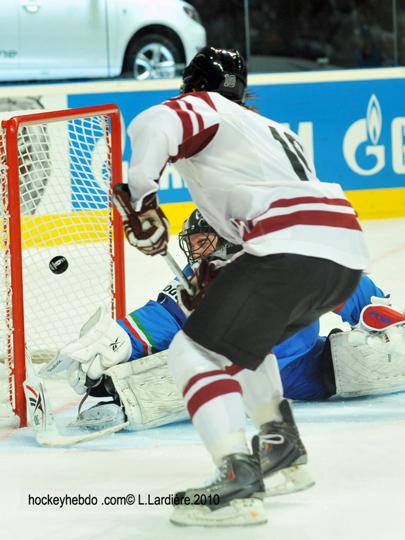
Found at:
<point>361,131</point>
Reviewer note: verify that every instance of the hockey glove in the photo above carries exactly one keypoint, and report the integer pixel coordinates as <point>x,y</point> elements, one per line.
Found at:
<point>146,229</point>
<point>203,276</point>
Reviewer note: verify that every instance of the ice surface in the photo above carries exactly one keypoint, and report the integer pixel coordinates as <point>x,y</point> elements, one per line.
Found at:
<point>356,450</point>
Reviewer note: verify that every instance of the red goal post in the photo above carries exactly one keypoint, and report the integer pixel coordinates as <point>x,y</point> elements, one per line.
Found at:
<point>61,240</point>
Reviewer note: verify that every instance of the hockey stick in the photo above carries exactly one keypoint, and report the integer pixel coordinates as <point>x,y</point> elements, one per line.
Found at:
<point>41,417</point>
<point>177,271</point>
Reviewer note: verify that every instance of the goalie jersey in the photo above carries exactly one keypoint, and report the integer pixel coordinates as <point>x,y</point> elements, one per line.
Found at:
<point>152,327</point>
<point>248,175</point>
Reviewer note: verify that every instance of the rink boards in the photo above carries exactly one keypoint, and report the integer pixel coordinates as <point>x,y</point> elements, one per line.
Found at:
<point>352,123</point>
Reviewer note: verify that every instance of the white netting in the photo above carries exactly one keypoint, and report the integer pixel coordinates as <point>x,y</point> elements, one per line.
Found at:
<point>65,198</point>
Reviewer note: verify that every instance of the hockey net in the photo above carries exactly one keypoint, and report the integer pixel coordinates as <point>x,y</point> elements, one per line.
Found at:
<point>61,243</point>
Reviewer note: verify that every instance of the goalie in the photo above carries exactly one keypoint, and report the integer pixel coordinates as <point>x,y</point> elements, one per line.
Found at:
<point>126,359</point>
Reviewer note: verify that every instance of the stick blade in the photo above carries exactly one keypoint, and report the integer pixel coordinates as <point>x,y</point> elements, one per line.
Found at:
<point>59,440</point>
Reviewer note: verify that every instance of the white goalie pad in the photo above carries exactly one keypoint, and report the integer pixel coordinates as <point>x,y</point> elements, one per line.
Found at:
<point>361,369</point>
<point>148,392</point>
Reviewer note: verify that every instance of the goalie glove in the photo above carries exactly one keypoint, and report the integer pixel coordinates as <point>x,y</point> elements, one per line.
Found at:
<point>146,229</point>
<point>201,280</point>
<point>102,344</point>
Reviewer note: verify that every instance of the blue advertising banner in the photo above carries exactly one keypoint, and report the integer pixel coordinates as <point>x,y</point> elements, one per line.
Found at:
<point>352,123</point>
<point>353,129</point>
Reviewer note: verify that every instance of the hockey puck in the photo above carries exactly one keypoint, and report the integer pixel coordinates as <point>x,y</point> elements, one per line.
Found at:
<point>58,264</point>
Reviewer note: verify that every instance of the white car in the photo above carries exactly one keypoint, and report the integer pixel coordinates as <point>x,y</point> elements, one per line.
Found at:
<point>68,39</point>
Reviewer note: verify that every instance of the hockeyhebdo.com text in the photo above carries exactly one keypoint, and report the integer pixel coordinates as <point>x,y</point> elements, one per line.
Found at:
<point>130,499</point>
<point>62,501</point>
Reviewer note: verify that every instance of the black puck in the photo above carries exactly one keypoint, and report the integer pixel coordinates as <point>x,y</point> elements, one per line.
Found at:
<point>58,264</point>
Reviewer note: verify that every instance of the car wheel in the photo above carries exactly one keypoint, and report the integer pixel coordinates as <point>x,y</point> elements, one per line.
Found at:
<point>151,57</point>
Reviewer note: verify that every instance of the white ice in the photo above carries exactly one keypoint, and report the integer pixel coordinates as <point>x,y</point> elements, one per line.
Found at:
<point>356,450</point>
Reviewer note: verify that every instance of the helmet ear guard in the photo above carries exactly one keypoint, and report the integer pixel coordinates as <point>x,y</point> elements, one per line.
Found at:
<point>232,87</point>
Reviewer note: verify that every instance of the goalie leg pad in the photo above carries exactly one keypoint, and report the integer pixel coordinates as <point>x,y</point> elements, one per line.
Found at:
<point>148,392</point>
<point>363,370</point>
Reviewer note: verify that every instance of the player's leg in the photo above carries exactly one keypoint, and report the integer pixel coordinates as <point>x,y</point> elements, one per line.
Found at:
<point>254,303</point>
<point>302,378</point>
<point>214,402</point>
<point>212,397</point>
<point>281,448</point>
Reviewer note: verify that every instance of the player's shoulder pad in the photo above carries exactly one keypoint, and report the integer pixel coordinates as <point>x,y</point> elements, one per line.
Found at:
<point>148,117</point>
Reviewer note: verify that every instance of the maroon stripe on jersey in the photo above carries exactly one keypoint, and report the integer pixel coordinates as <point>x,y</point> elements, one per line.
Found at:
<point>199,376</point>
<point>211,391</point>
<point>282,203</point>
<point>184,118</point>
<point>233,369</point>
<point>285,203</point>
<point>306,217</point>
<point>195,144</point>
<point>198,115</point>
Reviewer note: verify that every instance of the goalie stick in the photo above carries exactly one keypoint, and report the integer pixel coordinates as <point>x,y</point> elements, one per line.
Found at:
<point>177,271</point>
<point>41,417</point>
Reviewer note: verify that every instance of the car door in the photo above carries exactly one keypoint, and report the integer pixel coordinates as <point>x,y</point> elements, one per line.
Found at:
<point>9,38</point>
<point>63,38</point>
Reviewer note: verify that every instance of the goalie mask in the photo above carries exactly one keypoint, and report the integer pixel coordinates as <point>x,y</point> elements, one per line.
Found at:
<point>199,240</point>
<point>219,70</point>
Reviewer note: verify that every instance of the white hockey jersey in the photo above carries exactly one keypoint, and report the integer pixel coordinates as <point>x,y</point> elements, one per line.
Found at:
<point>249,177</point>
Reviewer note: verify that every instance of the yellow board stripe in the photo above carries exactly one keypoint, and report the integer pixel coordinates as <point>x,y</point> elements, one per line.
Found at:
<point>378,203</point>
<point>82,227</point>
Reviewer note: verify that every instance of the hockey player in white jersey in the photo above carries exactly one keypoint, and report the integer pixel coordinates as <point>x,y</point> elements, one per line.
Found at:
<point>303,256</point>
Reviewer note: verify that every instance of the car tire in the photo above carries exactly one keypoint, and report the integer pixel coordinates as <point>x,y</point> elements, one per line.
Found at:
<point>152,56</point>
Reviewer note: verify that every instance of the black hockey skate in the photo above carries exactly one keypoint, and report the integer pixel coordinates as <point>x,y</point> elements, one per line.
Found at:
<point>281,450</point>
<point>233,498</point>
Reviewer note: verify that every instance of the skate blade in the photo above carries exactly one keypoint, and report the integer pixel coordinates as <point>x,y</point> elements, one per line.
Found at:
<point>239,512</point>
<point>291,480</point>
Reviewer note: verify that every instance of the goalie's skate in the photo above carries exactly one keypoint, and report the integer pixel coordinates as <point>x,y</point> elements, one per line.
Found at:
<point>283,456</point>
<point>233,498</point>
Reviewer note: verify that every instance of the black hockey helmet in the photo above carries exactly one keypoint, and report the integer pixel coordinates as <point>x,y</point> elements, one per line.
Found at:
<point>196,224</point>
<point>219,70</point>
